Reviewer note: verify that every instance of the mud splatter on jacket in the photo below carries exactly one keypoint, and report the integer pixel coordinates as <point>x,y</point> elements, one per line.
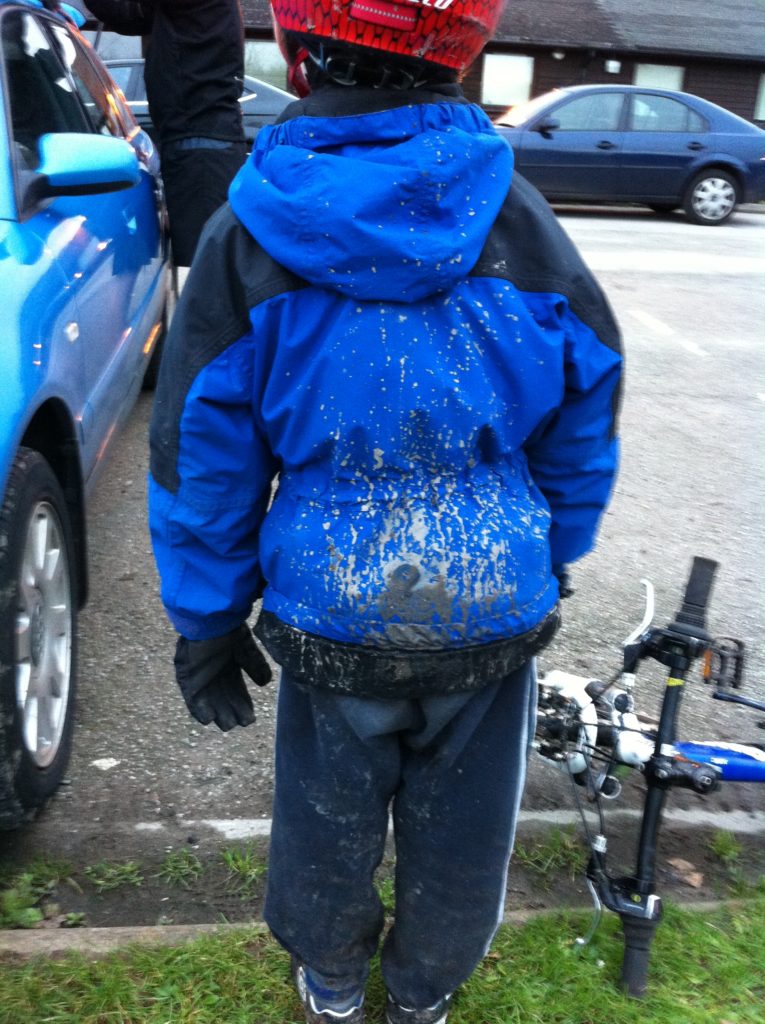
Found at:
<point>396,329</point>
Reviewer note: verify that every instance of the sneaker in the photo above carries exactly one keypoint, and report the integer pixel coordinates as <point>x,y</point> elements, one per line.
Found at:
<point>436,1014</point>
<point>323,1011</point>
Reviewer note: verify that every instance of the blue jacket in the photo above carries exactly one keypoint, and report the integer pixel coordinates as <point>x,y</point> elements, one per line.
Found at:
<point>387,402</point>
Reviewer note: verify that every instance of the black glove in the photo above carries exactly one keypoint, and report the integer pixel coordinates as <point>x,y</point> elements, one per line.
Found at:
<point>209,673</point>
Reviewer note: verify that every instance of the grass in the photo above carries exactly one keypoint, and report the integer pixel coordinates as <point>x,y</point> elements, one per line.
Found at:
<point>706,969</point>
<point>246,868</point>
<point>180,867</point>
<point>558,851</point>
<point>725,847</point>
<point>114,874</point>
<point>22,896</point>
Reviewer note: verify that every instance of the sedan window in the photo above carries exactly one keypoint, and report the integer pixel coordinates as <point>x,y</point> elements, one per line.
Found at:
<point>598,112</point>
<point>100,105</point>
<point>41,96</point>
<point>121,73</point>
<point>663,114</point>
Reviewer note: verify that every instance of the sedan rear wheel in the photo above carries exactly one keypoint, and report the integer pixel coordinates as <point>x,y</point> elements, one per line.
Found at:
<point>37,638</point>
<point>711,197</point>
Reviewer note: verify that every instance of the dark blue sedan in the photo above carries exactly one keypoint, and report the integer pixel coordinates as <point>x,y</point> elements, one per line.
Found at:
<point>627,144</point>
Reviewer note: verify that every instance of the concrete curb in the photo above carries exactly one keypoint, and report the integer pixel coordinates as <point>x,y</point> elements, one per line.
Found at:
<point>51,942</point>
<point>32,942</point>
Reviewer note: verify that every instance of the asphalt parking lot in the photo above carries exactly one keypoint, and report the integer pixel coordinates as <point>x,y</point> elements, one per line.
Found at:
<point>691,303</point>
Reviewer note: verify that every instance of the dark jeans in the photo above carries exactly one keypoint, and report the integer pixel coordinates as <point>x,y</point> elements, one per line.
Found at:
<point>452,771</point>
<point>196,174</point>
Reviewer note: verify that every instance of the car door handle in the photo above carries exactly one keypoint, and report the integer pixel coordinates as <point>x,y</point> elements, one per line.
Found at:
<point>696,145</point>
<point>605,144</point>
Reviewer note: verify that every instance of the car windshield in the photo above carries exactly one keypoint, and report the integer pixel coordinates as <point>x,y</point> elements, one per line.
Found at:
<point>522,112</point>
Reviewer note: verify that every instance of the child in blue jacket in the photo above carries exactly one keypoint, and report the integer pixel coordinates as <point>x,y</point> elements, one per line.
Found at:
<point>387,406</point>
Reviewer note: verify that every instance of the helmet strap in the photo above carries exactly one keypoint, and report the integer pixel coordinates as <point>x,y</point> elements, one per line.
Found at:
<point>296,75</point>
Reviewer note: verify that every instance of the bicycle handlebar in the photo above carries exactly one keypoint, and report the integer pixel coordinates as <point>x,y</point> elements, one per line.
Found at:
<point>693,611</point>
<point>589,728</point>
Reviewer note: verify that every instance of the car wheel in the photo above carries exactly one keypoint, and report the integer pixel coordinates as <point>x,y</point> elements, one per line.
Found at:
<point>38,638</point>
<point>711,197</point>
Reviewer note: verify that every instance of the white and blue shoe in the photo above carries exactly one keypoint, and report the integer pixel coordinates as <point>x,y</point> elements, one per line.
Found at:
<point>322,1010</point>
<point>395,1013</point>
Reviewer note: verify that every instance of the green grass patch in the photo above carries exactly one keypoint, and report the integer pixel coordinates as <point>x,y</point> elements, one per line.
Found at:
<point>725,847</point>
<point>559,851</point>
<point>180,867</point>
<point>707,969</point>
<point>22,896</point>
<point>246,868</point>
<point>114,874</point>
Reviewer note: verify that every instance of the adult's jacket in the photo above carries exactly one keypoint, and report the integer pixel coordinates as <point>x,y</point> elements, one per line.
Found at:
<point>194,68</point>
<point>389,332</point>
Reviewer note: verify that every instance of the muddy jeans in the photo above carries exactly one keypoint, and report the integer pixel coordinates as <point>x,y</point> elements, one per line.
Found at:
<point>451,771</point>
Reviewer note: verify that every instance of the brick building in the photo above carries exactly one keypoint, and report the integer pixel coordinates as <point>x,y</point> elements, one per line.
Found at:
<point>716,51</point>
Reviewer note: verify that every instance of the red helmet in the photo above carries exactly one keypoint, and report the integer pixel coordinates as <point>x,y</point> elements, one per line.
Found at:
<point>447,32</point>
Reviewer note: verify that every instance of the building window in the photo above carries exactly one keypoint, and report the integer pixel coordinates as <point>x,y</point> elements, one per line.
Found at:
<point>506,79</point>
<point>759,107</point>
<point>659,76</point>
<point>264,60</point>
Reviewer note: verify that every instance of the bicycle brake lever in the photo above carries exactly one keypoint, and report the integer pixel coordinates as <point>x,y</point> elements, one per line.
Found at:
<point>647,614</point>
<point>633,645</point>
<point>597,914</point>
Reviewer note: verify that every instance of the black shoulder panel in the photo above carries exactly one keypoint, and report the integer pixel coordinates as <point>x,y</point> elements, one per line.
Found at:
<point>230,275</point>
<point>528,247</point>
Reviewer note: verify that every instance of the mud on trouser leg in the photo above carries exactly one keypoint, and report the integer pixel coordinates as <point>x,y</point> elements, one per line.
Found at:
<point>330,822</point>
<point>454,817</point>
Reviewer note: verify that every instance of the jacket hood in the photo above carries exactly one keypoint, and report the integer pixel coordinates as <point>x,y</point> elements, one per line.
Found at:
<point>394,204</point>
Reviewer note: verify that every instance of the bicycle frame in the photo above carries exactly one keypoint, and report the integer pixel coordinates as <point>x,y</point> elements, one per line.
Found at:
<point>582,721</point>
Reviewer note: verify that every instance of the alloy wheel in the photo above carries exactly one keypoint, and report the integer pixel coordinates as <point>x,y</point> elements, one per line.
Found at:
<point>44,628</point>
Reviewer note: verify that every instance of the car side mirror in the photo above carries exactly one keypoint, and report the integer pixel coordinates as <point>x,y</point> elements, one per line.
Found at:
<point>80,164</point>
<point>547,126</point>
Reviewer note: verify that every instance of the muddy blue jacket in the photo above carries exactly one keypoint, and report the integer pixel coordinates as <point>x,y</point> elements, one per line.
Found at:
<point>387,403</point>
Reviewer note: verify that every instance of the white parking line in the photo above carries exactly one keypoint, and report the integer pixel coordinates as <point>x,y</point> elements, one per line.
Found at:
<point>672,262</point>
<point>257,828</point>
<point>652,323</point>
<point>663,330</point>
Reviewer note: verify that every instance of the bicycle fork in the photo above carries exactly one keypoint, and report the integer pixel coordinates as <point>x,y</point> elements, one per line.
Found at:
<point>633,898</point>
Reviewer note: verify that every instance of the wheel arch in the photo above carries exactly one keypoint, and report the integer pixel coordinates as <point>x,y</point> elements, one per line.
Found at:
<point>53,433</point>
<point>717,164</point>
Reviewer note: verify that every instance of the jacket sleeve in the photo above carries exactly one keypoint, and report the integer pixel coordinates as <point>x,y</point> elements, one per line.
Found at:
<point>211,466</point>
<point>128,17</point>
<point>573,455</point>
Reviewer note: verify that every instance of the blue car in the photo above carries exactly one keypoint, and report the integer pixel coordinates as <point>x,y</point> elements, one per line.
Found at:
<point>261,102</point>
<point>627,144</point>
<point>85,287</point>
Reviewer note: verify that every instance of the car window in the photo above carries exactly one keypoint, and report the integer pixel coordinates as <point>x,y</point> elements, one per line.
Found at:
<point>129,77</point>
<point>663,114</point>
<point>268,99</point>
<point>39,90</point>
<point>597,112</point>
<point>100,105</point>
<point>121,75</point>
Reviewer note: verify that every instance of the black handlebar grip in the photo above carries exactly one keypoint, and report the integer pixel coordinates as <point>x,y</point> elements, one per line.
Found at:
<point>693,611</point>
<point>638,936</point>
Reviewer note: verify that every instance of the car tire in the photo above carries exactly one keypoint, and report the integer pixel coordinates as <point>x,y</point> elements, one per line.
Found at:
<point>38,638</point>
<point>711,197</point>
